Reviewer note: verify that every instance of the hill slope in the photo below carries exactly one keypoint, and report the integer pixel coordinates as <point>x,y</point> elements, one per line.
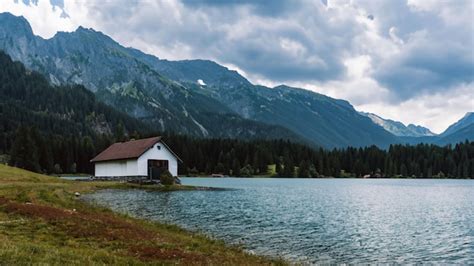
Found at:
<point>465,121</point>
<point>334,123</point>
<point>462,134</point>
<point>43,125</point>
<point>26,98</point>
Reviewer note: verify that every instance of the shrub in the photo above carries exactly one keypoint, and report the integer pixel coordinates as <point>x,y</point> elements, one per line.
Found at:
<point>166,178</point>
<point>246,171</point>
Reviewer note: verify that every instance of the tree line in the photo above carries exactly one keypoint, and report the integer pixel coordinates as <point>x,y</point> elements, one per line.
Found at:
<point>287,159</point>
<point>40,152</point>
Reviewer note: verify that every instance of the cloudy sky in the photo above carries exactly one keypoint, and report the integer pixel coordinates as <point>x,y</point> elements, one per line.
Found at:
<point>407,60</point>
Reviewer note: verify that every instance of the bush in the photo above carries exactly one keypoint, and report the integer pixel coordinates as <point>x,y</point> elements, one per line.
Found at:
<point>246,171</point>
<point>4,158</point>
<point>166,178</point>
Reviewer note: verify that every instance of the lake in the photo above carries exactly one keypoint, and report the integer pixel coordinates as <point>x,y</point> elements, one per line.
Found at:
<point>321,220</point>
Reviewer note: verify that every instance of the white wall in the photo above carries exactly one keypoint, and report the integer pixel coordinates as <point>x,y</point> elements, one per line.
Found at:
<point>137,167</point>
<point>157,154</point>
<point>117,168</point>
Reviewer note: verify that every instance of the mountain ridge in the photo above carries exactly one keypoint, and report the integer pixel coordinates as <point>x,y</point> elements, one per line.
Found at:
<point>398,128</point>
<point>257,102</point>
<point>102,65</point>
<point>172,96</point>
<point>460,131</point>
<point>465,121</point>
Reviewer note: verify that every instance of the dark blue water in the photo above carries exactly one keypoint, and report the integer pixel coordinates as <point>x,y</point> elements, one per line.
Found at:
<point>321,220</point>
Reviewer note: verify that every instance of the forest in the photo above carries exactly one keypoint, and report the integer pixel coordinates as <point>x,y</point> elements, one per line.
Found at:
<point>58,129</point>
<point>241,158</point>
<point>57,154</point>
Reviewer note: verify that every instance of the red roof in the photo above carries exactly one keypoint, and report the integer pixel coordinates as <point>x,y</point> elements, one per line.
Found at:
<point>126,150</point>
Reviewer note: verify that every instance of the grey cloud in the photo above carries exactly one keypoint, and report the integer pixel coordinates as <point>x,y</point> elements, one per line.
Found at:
<point>264,55</point>
<point>259,50</point>
<point>58,3</point>
<point>263,7</point>
<point>427,66</point>
<point>300,41</point>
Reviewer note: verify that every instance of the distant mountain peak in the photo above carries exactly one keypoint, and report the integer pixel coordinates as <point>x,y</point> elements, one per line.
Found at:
<point>398,128</point>
<point>467,115</point>
<point>17,25</point>
<point>94,34</point>
<point>81,28</point>
<point>465,121</point>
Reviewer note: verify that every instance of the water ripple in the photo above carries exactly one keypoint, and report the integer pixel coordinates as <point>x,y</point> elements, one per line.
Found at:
<point>323,220</point>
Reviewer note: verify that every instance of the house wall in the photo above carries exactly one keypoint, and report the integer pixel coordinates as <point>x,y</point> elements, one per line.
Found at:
<point>137,167</point>
<point>116,168</point>
<point>157,154</point>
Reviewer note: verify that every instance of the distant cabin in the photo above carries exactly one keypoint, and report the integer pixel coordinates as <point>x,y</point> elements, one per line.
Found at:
<point>143,158</point>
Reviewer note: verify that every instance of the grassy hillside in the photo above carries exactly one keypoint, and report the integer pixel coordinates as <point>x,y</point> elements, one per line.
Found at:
<point>41,221</point>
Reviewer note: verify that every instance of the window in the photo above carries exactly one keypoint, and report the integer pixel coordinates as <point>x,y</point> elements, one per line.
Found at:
<point>158,147</point>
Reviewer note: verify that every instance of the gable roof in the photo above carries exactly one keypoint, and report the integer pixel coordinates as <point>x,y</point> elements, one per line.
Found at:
<point>127,150</point>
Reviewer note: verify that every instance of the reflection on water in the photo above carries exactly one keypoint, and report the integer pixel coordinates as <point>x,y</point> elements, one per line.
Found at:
<point>321,220</point>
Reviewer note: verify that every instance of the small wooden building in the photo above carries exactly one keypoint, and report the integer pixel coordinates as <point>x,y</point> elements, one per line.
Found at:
<point>143,158</point>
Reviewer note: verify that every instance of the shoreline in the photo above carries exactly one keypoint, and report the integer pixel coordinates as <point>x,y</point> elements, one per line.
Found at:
<point>44,221</point>
<point>329,177</point>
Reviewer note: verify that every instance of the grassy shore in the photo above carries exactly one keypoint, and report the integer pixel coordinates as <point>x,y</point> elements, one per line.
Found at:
<point>43,222</point>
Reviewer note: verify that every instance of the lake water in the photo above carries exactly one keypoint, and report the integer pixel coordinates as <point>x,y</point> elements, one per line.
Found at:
<point>321,220</point>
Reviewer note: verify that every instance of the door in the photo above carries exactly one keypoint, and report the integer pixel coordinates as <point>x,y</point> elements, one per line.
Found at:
<point>156,167</point>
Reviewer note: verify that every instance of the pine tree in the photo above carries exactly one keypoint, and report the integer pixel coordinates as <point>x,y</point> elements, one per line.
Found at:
<point>24,153</point>
<point>303,169</point>
<point>278,168</point>
<point>289,167</point>
<point>236,168</point>
<point>403,170</point>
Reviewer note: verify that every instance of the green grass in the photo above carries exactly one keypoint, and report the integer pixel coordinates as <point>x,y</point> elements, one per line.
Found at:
<point>43,222</point>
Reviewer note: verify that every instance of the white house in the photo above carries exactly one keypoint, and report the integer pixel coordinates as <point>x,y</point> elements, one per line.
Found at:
<point>143,158</point>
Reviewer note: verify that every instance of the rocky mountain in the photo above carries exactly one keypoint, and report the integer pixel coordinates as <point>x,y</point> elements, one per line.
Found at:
<point>466,121</point>
<point>458,132</point>
<point>418,130</point>
<point>332,122</point>
<point>194,97</point>
<point>398,128</point>
<point>462,134</point>
<point>124,81</point>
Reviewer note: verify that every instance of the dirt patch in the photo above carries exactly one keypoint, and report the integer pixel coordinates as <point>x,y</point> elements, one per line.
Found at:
<point>3,201</point>
<point>82,224</point>
<point>148,253</point>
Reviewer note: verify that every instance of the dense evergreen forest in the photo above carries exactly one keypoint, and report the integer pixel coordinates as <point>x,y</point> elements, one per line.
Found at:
<point>58,129</point>
<point>239,158</point>
<point>35,151</point>
<point>54,129</point>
